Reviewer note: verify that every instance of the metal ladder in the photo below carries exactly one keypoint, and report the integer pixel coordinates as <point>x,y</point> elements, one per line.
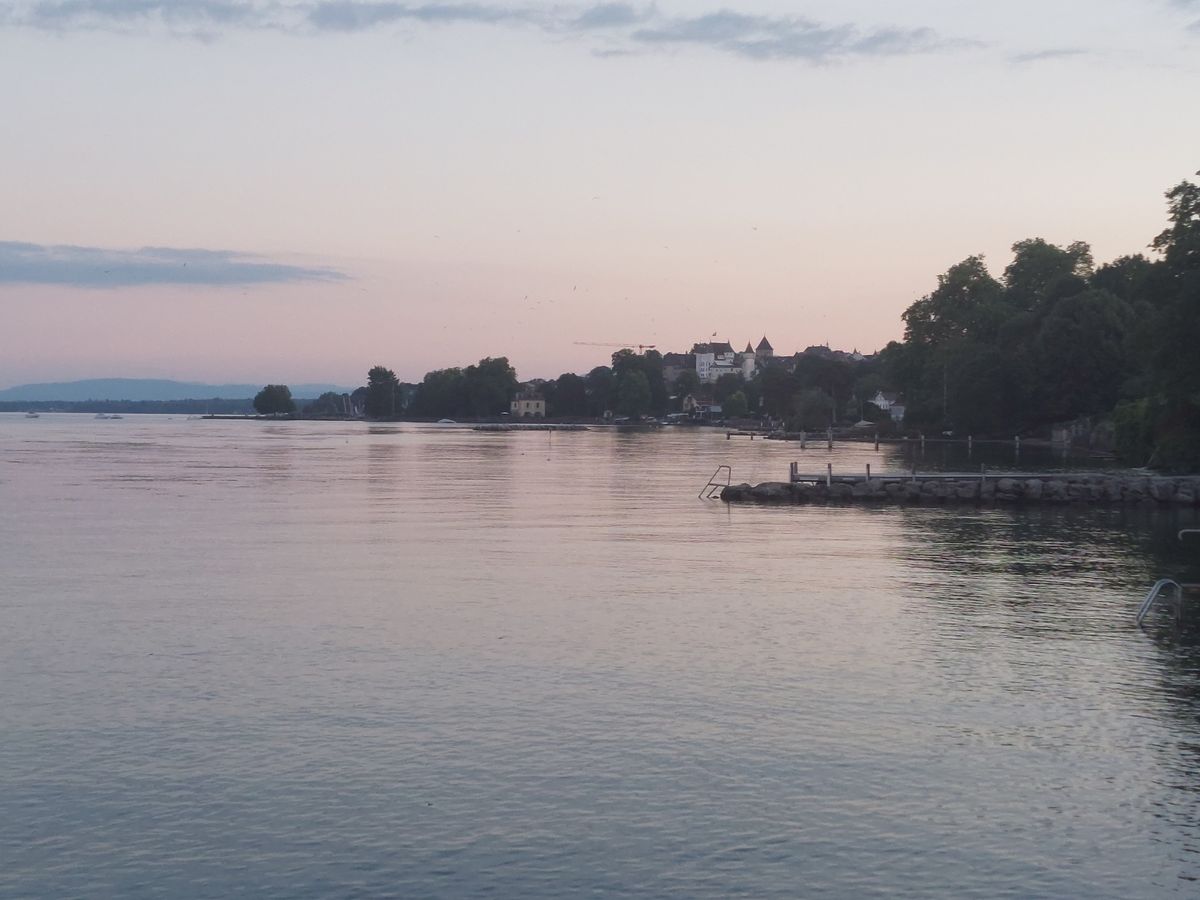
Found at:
<point>1160,588</point>
<point>709,490</point>
<point>1163,585</point>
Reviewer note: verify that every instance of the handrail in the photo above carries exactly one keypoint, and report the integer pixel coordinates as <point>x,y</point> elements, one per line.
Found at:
<point>1159,588</point>
<point>706,492</point>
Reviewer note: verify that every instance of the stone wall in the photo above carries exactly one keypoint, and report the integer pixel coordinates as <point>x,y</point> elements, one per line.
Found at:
<point>1049,489</point>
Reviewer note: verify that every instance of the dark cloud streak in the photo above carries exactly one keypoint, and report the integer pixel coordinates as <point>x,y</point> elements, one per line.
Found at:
<point>96,267</point>
<point>769,37</point>
<point>345,15</point>
<point>1045,55</point>
<point>623,27</point>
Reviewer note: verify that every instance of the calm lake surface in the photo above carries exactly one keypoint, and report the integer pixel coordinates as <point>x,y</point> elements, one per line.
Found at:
<point>339,660</point>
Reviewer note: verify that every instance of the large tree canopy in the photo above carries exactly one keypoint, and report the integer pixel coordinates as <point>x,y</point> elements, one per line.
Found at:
<point>274,400</point>
<point>1059,338</point>
<point>382,393</point>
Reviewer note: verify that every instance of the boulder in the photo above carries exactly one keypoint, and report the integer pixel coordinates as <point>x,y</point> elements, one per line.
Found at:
<point>840,492</point>
<point>772,492</point>
<point>1162,489</point>
<point>736,492</point>
<point>967,490</point>
<point>1054,491</point>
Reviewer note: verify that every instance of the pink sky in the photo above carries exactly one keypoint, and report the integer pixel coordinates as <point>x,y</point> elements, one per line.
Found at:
<point>515,187</point>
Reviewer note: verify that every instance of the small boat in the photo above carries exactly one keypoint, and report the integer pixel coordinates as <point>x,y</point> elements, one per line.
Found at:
<point>32,415</point>
<point>115,416</point>
<point>102,415</point>
<point>446,422</point>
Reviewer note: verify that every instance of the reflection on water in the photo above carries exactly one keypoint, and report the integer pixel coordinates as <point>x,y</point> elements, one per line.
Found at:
<point>327,659</point>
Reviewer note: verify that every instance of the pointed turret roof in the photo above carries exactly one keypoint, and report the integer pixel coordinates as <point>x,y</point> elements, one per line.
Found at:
<point>749,347</point>
<point>764,344</point>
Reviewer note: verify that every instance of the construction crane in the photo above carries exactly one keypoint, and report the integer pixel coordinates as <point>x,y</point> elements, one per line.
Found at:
<point>641,348</point>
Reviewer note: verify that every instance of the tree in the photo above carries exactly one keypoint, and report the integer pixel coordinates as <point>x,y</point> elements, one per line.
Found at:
<point>633,394</point>
<point>777,388</point>
<point>489,386</point>
<point>649,363</point>
<point>1081,355</point>
<point>734,406</point>
<point>382,390</point>
<point>964,303</point>
<point>599,384</point>
<point>569,396</point>
<point>812,408</point>
<point>328,404</point>
<point>1041,271</point>
<point>687,383</point>
<point>727,385</point>
<point>274,400</point>
<point>1179,243</point>
<point>829,374</point>
<point>441,393</point>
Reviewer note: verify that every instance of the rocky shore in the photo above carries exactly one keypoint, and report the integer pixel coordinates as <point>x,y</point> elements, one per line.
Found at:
<point>1098,489</point>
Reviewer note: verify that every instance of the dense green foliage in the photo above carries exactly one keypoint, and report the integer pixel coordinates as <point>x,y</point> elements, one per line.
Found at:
<point>274,400</point>
<point>383,399</point>
<point>734,406</point>
<point>638,382</point>
<point>328,405</point>
<point>1056,339</point>
<point>479,391</point>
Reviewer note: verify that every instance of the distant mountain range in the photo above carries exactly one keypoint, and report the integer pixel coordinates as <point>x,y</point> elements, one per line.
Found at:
<point>150,389</point>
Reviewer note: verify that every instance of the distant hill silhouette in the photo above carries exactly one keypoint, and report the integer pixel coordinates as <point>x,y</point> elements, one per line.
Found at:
<point>150,389</point>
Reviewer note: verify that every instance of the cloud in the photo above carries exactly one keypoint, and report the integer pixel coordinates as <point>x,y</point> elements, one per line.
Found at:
<point>96,267</point>
<point>623,27</point>
<point>611,15</point>
<point>1043,55</point>
<point>190,17</point>
<point>1188,6</point>
<point>347,15</point>
<point>784,37</point>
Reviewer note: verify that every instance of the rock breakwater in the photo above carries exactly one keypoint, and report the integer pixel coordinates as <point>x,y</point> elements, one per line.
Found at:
<point>1098,489</point>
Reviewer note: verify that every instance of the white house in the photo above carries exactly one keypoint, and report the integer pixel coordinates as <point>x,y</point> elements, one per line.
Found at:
<point>891,404</point>
<point>528,403</point>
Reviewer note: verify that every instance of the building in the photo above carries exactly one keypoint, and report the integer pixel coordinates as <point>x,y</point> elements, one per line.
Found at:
<point>714,360</point>
<point>528,404</point>
<point>890,404</point>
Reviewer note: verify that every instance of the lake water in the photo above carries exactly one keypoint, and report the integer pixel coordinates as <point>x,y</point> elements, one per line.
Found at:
<point>339,660</point>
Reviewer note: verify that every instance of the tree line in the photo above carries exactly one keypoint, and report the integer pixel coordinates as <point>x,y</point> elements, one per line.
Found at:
<point>1056,338</point>
<point>813,390</point>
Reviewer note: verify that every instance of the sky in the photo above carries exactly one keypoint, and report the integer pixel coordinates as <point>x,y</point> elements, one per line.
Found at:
<point>296,190</point>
